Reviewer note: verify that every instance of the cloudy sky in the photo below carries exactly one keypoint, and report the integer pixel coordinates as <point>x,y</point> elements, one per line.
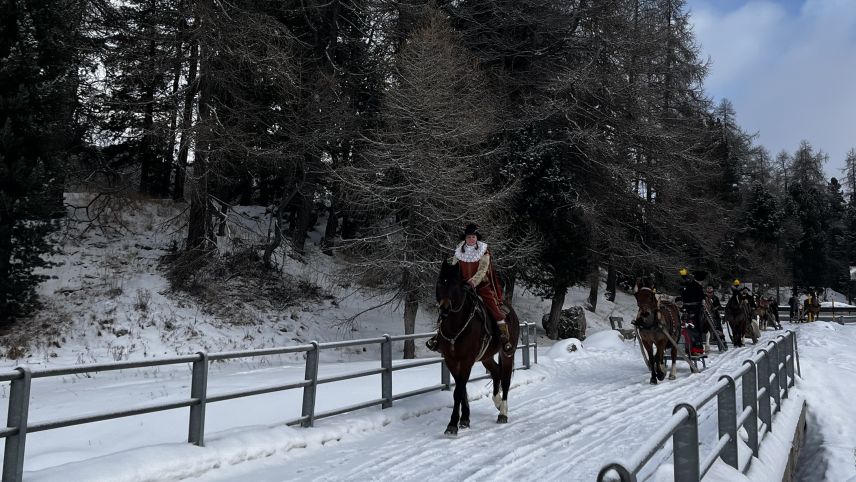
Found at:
<point>788,66</point>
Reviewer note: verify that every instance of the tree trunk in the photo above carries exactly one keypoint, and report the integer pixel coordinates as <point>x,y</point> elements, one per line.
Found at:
<point>305,218</point>
<point>176,83</point>
<point>611,282</point>
<point>330,230</point>
<point>6,224</point>
<point>411,306</point>
<point>556,310</point>
<point>508,278</point>
<point>186,122</point>
<point>200,229</point>
<point>148,170</point>
<point>277,229</point>
<point>350,226</point>
<point>224,217</point>
<point>594,283</point>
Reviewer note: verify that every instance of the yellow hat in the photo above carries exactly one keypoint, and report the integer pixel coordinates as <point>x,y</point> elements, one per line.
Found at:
<point>736,282</point>
<point>683,272</point>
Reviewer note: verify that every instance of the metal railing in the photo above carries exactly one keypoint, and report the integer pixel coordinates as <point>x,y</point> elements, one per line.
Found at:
<point>839,314</point>
<point>765,381</point>
<point>20,379</point>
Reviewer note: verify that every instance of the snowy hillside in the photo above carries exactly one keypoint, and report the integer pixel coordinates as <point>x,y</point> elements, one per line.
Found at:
<point>108,299</point>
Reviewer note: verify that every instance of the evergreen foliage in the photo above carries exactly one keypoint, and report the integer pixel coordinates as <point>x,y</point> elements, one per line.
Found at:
<point>37,86</point>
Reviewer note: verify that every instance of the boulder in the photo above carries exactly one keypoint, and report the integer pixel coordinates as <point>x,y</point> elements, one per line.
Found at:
<point>572,323</point>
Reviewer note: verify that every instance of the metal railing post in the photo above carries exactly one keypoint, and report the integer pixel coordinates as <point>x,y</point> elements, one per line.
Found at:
<point>535,337</point>
<point>789,339</point>
<point>526,346</point>
<point>19,407</point>
<point>308,413</point>
<point>727,420</point>
<point>796,352</point>
<point>199,392</point>
<point>386,376</point>
<point>764,411</point>
<point>783,359</point>
<point>685,445</point>
<point>773,367</point>
<point>750,399</point>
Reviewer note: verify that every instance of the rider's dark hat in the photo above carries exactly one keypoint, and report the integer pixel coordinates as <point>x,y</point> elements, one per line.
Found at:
<point>700,275</point>
<point>472,228</point>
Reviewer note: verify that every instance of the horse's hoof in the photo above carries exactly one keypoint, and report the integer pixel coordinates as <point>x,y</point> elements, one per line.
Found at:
<point>502,419</point>
<point>451,431</point>
<point>672,377</point>
<point>653,381</point>
<point>464,424</point>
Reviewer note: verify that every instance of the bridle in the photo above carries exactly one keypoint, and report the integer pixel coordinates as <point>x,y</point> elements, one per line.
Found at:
<point>467,292</point>
<point>453,339</point>
<point>642,321</point>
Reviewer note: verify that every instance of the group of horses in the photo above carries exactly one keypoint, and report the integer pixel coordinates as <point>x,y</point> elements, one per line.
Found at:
<point>466,335</point>
<point>659,327</point>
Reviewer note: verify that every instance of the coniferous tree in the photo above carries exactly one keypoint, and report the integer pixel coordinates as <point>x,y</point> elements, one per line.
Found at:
<point>38,73</point>
<point>419,178</point>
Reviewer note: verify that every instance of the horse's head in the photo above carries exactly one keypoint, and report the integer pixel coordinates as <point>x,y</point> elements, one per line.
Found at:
<point>646,300</point>
<point>450,287</point>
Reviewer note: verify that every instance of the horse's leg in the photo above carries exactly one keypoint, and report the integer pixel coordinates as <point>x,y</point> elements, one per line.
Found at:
<point>462,375</point>
<point>661,359</point>
<point>506,368</point>
<point>735,334</point>
<point>493,369</point>
<point>649,349</point>
<point>674,372</point>
<point>707,341</point>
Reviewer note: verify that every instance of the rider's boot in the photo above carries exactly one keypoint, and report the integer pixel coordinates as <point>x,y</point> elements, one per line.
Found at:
<point>504,336</point>
<point>431,343</point>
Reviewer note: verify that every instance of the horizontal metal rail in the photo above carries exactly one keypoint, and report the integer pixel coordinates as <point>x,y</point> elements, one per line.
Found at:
<point>256,391</point>
<point>227,355</point>
<point>21,378</point>
<point>104,367</point>
<point>419,391</point>
<point>348,376</point>
<point>349,408</point>
<point>418,363</point>
<point>98,417</point>
<point>774,370</point>
<point>714,454</point>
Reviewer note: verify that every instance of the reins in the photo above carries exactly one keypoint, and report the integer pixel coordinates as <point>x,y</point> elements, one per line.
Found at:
<point>453,339</point>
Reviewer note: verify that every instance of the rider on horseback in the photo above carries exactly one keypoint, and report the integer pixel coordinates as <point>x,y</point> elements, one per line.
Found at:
<point>473,258</point>
<point>743,293</point>
<point>692,294</point>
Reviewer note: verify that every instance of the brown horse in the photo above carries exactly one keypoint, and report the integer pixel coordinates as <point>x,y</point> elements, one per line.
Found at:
<point>467,335</point>
<point>738,315</point>
<point>653,321</point>
<point>811,308</point>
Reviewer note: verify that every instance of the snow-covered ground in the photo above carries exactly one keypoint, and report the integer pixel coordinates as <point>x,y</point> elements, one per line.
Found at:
<point>569,415</point>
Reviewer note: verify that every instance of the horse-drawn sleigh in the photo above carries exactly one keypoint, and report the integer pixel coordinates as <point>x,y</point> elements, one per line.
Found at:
<point>661,324</point>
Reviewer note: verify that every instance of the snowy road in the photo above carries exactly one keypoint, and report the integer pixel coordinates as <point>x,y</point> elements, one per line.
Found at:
<point>568,416</point>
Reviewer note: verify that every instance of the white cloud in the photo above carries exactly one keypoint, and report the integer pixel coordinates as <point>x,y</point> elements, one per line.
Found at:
<point>790,74</point>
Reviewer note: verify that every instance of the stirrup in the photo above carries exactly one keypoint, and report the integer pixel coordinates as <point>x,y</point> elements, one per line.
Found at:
<point>431,343</point>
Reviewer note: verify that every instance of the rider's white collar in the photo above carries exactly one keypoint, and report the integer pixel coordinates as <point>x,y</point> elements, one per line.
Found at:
<point>470,254</point>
